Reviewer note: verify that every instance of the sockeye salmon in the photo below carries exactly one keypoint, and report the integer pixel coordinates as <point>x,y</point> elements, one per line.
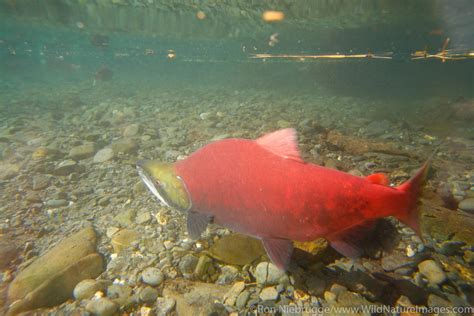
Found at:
<point>264,189</point>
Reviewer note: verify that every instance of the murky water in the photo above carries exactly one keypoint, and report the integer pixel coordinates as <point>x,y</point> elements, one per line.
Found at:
<point>89,89</point>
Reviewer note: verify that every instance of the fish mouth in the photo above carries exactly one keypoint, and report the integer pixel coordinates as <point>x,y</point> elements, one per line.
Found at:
<point>163,182</point>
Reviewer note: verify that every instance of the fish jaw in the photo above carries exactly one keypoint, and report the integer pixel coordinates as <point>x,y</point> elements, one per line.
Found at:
<point>162,180</point>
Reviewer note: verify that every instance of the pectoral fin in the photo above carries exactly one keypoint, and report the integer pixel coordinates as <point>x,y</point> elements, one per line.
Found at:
<point>197,224</point>
<point>279,251</point>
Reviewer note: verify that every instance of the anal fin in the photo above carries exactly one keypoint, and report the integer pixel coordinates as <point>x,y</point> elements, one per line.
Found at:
<point>279,251</point>
<point>197,224</point>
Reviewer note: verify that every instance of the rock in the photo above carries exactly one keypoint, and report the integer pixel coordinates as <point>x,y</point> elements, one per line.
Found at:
<point>242,299</point>
<point>467,205</point>
<point>315,285</point>
<point>82,151</point>
<point>269,294</point>
<point>469,256</point>
<point>123,239</point>
<point>103,155</point>
<point>314,247</point>
<point>143,218</point>
<point>125,218</point>
<point>164,305</point>
<point>202,266</point>
<point>40,153</point>
<point>396,260</point>
<point>56,203</point>
<point>102,307</point>
<point>148,294</point>
<point>432,272</point>
<point>237,249</point>
<point>187,264</point>
<point>330,297</point>
<point>125,146</point>
<point>51,279</point>
<point>228,275</point>
<point>8,171</point>
<point>33,197</point>
<point>67,167</point>
<point>268,274</point>
<point>436,301</point>
<point>233,293</point>
<point>87,288</point>
<point>40,182</point>
<point>152,276</point>
<point>197,297</point>
<point>120,294</point>
<point>8,251</point>
<point>131,130</point>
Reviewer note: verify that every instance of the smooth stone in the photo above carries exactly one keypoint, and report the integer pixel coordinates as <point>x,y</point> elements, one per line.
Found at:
<point>64,255</point>
<point>152,276</point>
<point>120,294</point>
<point>188,264</point>
<point>269,294</point>
<point>33,197</point>
<point>59,287</point>
<point>67,167</point>
<point>237,249</point>
<point>123,239</point>
<point>8,171</point>
<point>125,218</point>
<point>432,272</point>
<point>267,273</point>
<point>148,294</point>
<point>143,218</point>
<point>103,155</point>
<point>131,130</point>
<point>126,146</point>
<point>228,275</point>
<point>202,266</point>
<point>56,203</point>
<point>82,151</point>
<point>40,182</point>
<point>8,251</point>
<point>467,205</point>
<point>87,288</point>
<point>396,260</point>
<point>164,305</point>
<point>102,307</point>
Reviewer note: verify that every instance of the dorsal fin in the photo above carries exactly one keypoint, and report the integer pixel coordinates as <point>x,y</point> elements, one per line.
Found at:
<point>378,178</point>
<point>282,143</point>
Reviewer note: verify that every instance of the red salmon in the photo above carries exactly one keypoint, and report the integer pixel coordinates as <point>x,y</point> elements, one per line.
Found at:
<point>263,188</point>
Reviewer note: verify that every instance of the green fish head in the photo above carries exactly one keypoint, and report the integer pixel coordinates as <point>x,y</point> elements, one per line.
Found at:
<point>162,180</point>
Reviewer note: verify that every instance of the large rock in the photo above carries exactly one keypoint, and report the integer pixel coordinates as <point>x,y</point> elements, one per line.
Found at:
<point>50,279</point>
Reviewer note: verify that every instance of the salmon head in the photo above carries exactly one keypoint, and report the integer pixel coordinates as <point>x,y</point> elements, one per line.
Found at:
<point>162,180</point>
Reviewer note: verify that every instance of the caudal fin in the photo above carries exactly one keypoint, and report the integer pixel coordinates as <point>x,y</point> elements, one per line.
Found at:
<point>410,216</point>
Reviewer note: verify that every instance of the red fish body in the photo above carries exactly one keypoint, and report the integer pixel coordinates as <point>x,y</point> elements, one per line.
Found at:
<point>263,188</point>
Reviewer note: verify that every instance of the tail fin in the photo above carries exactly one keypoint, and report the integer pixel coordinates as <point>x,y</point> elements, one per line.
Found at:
<point>411,215</point>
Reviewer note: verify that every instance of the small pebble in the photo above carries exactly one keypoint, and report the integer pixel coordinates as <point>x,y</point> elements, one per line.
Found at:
<point>467,205</point>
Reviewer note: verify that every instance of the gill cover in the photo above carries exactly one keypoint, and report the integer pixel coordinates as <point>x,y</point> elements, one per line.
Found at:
<point>163,182</point>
